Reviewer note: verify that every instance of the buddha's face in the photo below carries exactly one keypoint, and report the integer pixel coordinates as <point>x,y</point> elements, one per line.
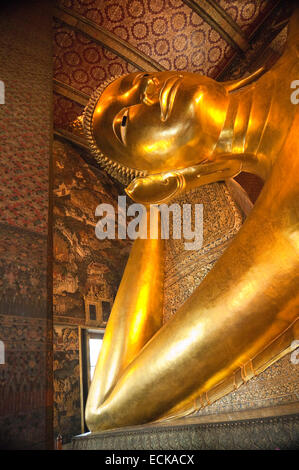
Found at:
<point>159,121</point>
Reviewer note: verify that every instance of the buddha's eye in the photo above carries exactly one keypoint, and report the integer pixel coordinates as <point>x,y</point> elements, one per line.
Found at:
<point>123,126</point>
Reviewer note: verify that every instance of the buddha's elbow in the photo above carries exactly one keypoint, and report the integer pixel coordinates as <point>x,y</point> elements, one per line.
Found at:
<point>94,417</point>
<point>97,418</point>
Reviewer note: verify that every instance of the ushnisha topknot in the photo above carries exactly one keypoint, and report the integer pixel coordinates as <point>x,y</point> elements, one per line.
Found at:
<point>122,173</point>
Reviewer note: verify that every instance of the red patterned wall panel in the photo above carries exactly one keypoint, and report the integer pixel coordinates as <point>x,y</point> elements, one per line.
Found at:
<point>65,112</point>
<point>247,14</point>
<point>25,130</point>
<point>167,31</point>
<point>25,143</point>
<point>81,63</point>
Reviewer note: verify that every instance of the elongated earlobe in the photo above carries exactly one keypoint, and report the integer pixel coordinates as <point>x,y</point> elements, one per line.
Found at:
<point>235,85</point>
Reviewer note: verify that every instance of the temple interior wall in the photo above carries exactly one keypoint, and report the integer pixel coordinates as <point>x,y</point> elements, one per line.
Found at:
<point>51,260</point>
<point>25,307</point>
<point>83,266</point>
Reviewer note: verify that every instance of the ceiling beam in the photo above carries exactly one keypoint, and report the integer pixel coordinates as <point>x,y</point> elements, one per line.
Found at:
<point>269,13</point>
<point>107,39</point>
<point>72,138</point>
<point>260,39</point>
<point>216,17</point>
<point>70,93</point>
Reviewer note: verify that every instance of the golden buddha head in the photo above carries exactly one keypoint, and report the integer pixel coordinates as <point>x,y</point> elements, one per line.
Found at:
<point>148,123</point>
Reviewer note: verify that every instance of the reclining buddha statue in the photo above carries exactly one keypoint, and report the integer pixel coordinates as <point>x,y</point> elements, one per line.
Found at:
<point>162,134</point>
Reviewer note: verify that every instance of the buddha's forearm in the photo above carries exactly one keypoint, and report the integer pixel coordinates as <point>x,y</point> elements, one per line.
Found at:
<point>136,315</point>
<point>247,301</point>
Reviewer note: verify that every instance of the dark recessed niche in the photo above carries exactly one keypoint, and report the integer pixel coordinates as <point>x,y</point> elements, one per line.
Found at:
<point>92,312</point>
<point>105,310</point>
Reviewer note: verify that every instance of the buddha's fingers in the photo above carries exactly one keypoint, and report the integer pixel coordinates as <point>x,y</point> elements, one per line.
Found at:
<point>162,187</point>
<point>247,300</point>
<point>136,315</point>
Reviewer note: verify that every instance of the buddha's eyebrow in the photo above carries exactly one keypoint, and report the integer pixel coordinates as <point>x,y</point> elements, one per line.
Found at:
<point>139,77</point>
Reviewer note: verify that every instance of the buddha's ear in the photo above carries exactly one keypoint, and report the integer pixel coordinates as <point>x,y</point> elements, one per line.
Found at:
<point>234,85</point>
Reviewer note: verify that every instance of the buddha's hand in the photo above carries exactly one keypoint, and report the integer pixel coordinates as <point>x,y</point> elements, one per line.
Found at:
<point>157,188</point>
<point>162,187</point>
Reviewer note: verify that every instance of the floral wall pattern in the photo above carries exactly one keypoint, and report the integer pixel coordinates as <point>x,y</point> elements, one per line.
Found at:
<point>25,144</point>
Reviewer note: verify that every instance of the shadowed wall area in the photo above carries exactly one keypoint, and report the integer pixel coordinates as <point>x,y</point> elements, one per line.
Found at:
<point>25,309</point>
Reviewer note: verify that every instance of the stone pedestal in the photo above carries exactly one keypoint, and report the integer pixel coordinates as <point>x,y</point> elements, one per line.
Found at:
<point>264,429</point>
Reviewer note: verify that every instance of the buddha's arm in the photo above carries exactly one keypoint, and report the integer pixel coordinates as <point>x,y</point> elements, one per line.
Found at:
<point>245,303</point>
<point>136,315</point>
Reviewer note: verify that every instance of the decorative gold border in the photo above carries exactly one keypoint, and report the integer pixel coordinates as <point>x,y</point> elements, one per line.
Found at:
<point>72,138</point>
<point>70,93</point>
